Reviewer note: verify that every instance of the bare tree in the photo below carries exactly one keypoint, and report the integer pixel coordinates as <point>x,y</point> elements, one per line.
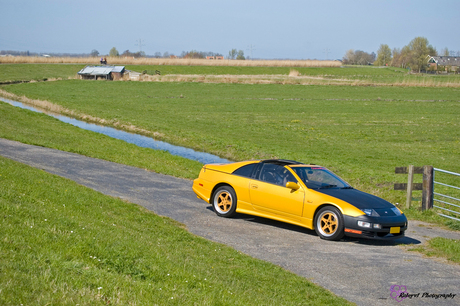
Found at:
<point>445,52</point>
<point>358,57</point>
<point>349,57</point>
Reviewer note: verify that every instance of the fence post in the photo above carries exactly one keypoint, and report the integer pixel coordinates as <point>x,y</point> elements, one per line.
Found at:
<point>410,180</point>
<point>428,184</point>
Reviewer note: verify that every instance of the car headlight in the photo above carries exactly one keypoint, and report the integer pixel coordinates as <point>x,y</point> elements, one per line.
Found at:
<point>370,212</point>
<point>396,211</point>
<point>369,225</point>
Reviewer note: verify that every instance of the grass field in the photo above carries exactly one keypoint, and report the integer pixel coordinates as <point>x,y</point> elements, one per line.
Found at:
<point>351,75</point>
<point>37,72</point>
<point>360,132</point>
<point>65,244</point>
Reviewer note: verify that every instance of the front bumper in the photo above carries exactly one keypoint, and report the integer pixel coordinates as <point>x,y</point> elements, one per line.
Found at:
<point>392,227</point>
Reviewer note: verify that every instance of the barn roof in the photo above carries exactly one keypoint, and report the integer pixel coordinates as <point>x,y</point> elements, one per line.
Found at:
<point>101,70</point>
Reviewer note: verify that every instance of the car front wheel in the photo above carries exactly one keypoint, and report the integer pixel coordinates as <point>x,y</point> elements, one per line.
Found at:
<point>224,201</point>
<point>329,223</point>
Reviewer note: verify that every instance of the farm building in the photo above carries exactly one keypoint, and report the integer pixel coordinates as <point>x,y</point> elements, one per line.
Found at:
<point>102,72</point>
<point>451,63</point>
<point>215,57</point>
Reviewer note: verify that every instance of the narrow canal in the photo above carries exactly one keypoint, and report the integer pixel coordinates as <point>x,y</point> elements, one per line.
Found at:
<point>138,140</point>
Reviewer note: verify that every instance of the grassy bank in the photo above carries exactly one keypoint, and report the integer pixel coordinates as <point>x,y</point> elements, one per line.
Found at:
<point>64,244</point>
<point>39,129</point>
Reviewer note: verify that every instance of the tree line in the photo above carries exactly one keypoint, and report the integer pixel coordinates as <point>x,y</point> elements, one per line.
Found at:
<point>233,54</point>
<point>413,56</point>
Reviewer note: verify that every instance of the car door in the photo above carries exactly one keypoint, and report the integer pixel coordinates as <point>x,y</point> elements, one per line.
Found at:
<point>268,192</point>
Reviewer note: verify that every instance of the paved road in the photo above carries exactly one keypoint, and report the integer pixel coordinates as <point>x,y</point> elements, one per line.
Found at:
<point>361,271</point>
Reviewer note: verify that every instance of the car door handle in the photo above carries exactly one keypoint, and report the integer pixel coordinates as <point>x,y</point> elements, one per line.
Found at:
<point>254,186</point>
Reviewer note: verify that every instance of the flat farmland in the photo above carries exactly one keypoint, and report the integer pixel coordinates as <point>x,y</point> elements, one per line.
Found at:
<point>360,132</point>
<point>37,72</point>
<point>349,75</point>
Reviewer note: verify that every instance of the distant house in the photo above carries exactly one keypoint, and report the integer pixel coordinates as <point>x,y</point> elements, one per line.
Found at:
<point>102,72</point>
<point>215,57</point>
<point>451,63</point>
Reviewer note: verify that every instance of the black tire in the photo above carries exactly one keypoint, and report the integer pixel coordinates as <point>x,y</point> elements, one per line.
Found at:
<point>224,201</point>
<point>329,223</point>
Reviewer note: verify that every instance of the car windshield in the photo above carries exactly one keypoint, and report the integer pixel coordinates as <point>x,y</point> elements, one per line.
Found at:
<point>319,178</point>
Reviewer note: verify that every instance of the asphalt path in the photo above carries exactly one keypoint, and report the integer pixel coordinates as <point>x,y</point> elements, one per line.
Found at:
<point>361,271</point>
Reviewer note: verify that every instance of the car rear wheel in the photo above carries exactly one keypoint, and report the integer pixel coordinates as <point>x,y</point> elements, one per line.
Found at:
<point>224,201</point>
<point>329,223</point>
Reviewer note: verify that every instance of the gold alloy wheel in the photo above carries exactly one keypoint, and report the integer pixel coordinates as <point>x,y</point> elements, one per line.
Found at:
<point>224,202</point>
<point>328,223</point>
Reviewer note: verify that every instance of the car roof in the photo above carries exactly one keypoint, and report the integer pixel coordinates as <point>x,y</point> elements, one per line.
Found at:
<point>282,162</point>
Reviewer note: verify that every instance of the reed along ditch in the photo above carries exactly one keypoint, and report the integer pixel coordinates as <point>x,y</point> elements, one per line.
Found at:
<point>138,140</point>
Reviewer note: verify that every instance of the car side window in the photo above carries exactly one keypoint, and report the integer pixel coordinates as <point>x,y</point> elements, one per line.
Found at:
<point>245,171</point>
<point>276,174</point>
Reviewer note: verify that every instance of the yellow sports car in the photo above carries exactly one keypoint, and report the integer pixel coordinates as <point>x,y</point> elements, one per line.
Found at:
<point>306,195</point>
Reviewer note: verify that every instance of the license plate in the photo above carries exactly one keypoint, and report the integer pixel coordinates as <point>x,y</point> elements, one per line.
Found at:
<point>395,230</point>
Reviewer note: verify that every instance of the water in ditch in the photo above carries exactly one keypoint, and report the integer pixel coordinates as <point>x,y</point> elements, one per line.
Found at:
<point>139,140</point>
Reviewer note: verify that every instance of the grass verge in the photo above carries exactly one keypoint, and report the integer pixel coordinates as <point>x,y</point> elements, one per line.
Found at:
<point>65,244</point>
<point>441,247</point>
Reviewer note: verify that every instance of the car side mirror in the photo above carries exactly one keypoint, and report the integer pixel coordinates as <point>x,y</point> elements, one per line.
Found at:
<point>292,185</point>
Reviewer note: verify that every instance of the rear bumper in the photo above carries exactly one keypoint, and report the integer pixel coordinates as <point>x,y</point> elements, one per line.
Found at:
<point>200,190</point>
<point>391,227</point>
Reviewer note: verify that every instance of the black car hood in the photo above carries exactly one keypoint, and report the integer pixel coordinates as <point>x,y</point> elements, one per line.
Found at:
<point>357,198</point>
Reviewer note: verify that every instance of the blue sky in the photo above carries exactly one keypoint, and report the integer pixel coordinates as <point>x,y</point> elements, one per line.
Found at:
<point>276,29</point>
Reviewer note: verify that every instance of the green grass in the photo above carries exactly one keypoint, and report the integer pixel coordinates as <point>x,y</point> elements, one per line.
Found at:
<point>361,133</point>
<point>37,72</point>
<point>39,129</point>
<point>366,129</point>
<point>65,244</point>
<point>441,247</point>
<point>377,75</point>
